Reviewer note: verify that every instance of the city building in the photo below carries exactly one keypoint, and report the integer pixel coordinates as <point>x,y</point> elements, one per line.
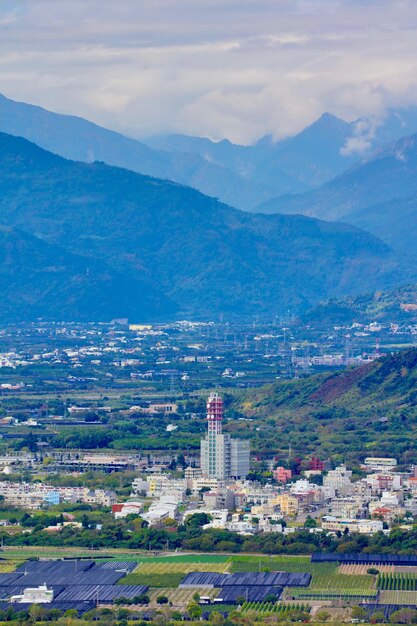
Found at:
<point>221,456</point>
<point>363,526</point>
<point>282,475</point>
<point>380,463</point>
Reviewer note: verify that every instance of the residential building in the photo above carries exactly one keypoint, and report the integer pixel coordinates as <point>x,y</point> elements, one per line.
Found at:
<point>221,456</point>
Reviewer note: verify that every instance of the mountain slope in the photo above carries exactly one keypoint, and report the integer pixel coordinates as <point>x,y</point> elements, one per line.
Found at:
<point>203,255</point>
<point>78,139</point>
<point>366,411</point>
<point>395,222</point>
<point>394,305</point>
<point>390,175</point>
<point>306,160</point>
<point>314,155</point>
<point>41,280</point>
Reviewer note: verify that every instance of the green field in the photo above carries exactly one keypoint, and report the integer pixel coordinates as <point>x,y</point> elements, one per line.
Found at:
<point>398,597</point>
<point>397,581</point>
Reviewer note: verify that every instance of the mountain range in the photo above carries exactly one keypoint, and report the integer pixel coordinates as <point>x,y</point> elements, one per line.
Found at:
<point>241,176</point>
<point>163,248</point>
<point>78,139</point>
<point>378,195</point>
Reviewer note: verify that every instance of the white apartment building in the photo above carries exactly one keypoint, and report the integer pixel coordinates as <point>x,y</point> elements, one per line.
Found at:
<point>338,482</point>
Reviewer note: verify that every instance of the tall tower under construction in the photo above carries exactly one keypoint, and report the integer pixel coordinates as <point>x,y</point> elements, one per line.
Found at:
<point>221,456</point>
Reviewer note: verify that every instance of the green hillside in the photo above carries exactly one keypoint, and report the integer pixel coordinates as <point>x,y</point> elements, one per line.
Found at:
<point>381,306</point>
<point>367,411</point>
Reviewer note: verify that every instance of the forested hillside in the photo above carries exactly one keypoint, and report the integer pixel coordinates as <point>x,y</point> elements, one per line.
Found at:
<point>367,411</point>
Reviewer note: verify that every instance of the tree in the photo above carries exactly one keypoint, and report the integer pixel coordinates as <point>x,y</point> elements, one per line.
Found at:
<point>142,599</point>
<point>197,519</point>
<point>377,618</point>
<point>217,619</point>
<point>404,616</point>
<point>310,522</point>
<point>162,600</point>
<point>373,571</point>
<point>358,613</point>
<point>52,615</point>
<point>322,616</point>
<point>194,610</point>
<point>37,612</point>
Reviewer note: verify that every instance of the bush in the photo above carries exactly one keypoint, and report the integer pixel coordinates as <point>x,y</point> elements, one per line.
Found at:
<point>162,600</point>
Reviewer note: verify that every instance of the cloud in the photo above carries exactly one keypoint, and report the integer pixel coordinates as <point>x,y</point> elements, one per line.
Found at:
<point>220,68</point>
<point>363,134</point>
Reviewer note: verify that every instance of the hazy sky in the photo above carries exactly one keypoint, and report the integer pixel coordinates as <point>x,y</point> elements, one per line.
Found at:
<point>229,68</point>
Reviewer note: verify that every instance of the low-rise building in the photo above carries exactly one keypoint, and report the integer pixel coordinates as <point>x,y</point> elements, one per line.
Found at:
<point>362,526</point>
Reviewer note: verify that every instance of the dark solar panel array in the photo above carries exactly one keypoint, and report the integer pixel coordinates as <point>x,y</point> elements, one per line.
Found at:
<point>247,594</point>
<point>72,573</point>
<point>266,579</point>
<point>55,567</point>
<point>203,579</point>
<point>351,557</point>
<point>100,593</point>
<point>72,581</point>
<point>81,607</point>
<point>116,566</point>
<point>10,579</point>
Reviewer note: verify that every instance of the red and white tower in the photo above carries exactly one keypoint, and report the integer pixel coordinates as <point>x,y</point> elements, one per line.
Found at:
<point>214,414</point>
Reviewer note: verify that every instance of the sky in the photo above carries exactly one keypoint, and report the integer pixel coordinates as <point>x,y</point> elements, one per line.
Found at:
<point>218,68</point>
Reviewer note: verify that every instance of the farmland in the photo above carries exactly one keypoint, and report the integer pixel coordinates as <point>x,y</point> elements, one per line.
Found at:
<point>398,581</point>
<point>270,607</point>
<point>180,597</point>
<point>398,597</point>
<point>162,574</point>
<point>180,567</point>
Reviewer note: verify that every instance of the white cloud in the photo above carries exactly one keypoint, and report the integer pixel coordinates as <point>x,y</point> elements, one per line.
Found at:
<point>221,68</point>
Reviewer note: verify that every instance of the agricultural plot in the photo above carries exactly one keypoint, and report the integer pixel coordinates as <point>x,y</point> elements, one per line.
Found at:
<point>353,569</point>
<point>180,597</point>
<point>181,567</point>
<point>281,563</point>
<point>331,594</point>
<point>270,607</point>
<point>398,597</point>
<point>397,581</point>
<point>170,579</point>
<point>185,558</point>
<point>9,565</point>
<point>327,585</point>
